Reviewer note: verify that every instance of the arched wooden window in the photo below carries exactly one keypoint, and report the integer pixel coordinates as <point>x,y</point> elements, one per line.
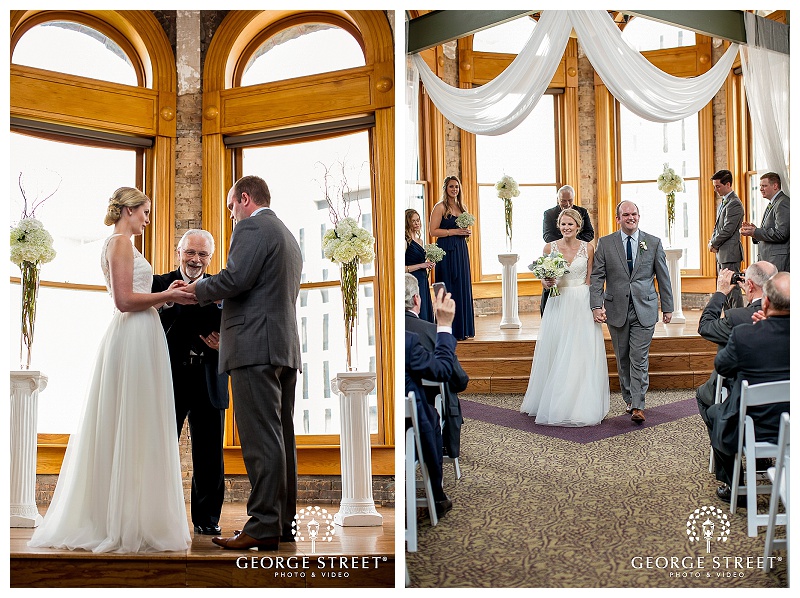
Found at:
<point>85,123</point>
<point>287,125</point>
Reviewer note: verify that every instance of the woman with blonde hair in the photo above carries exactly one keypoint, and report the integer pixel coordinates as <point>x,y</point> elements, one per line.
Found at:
<point>454,270</point>
<point>569,378</point>
<point>120,486</point>
<point>416,264</point>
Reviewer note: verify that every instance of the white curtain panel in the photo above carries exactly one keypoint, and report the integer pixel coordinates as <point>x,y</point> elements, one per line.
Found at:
<point>412,119</point>
<point>504,102</point>
<point>766,82</point>
<point>644,89</point>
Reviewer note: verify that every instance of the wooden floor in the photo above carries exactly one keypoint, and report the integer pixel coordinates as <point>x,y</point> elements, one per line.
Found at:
<point>355,557</point>
<point>487,328</point>
<point>499,360</point>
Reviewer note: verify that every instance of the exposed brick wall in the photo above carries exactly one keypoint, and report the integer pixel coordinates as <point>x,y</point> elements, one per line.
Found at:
<point>316,489</point>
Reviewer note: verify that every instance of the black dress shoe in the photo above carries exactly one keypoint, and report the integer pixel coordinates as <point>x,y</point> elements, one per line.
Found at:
<point>288,538</point>
<point>443,507</point>
<point>207,530</point>
<point>724,493</point>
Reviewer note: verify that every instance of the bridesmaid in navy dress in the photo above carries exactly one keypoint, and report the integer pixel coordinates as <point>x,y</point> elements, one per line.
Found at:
<point>416,264</point>
<point>454,269</point>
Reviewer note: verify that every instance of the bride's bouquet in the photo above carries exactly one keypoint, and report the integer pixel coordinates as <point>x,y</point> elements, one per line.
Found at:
<point>550,266</point>
<point>434,253</point>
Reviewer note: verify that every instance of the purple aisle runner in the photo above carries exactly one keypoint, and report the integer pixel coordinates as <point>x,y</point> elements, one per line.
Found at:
<point>606,429</point>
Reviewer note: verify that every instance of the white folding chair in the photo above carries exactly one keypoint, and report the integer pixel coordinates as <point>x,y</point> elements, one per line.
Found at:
<point>720,394</point>
<point>413,460</point>
<point>759,394</point>
<point>439,405</point>
<point>779,475</point>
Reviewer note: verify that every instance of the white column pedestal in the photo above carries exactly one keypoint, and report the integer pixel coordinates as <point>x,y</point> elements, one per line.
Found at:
<point>510,305</point>
<point>25,387</point>
<point>673,259</point>
<point>357,507</point>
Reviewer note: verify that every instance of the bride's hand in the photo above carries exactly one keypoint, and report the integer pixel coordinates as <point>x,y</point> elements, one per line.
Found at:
<point>177,284</point>
<point>548,282</point>
<point>181,296</point>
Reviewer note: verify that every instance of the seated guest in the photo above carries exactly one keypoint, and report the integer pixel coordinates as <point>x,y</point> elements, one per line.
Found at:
<point>716,326</point>
<point>451,433</point>
<point>436,365</point>
<point>757,353</point>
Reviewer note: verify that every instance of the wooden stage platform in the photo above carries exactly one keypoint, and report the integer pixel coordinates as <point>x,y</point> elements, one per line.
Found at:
<point>355,557</point>
<point>499,361</point>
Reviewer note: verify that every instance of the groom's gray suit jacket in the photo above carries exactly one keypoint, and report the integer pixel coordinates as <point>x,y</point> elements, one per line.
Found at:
<point>259,286</point>
<point>610,270</point>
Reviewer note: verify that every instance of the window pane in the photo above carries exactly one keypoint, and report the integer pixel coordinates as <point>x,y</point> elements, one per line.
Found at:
<point>646,146</point>
<point>644,34</point>
<point>527,153</point>
<point>74,214</point>
<point>74,49</point>
<point>652,205</point>
<point>64,349</point>
<point>295,175</point>
<point>508,38</point>
<point>302,50</point>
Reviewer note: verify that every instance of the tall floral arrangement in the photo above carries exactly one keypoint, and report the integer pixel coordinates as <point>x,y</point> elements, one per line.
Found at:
<point>347,244</point>
<point>670,183</point>
<point>31,246</point>
<point>507,190</point>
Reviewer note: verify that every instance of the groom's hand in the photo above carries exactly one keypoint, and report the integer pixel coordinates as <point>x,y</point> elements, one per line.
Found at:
<point>667,317</point>
<point>599,314</point>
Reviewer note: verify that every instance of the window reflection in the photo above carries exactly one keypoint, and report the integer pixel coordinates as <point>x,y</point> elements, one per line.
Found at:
<point>645,34</point>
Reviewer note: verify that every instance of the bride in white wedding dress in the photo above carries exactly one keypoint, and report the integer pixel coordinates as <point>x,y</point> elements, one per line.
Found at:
<point>569,378</point>
<point>120,487</point>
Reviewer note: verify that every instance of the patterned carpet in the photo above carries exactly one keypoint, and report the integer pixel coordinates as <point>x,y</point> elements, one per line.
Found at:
<point>605,506</point>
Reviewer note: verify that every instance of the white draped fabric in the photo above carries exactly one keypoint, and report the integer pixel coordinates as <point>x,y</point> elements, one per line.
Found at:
<point>766,82</point>
<point>412,112</point>
<point>504,102</point>
<point>644,89</point>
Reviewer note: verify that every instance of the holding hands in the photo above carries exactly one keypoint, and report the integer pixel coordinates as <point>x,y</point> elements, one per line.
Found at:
<point>178,293</point>
<point>599,314</point>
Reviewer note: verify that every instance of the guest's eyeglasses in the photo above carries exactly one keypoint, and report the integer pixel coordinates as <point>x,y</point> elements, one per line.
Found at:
<point>191,253</point>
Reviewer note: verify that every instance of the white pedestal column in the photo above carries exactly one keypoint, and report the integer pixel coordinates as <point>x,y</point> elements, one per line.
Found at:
<point>673,259</point>
<point>357,507</point>
<point>25,387</point>
<point>510,305</point>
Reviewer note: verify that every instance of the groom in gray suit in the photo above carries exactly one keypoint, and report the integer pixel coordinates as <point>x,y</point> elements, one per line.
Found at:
<point>726,242</point>
<point>260,348</point>
<point>625,264</point>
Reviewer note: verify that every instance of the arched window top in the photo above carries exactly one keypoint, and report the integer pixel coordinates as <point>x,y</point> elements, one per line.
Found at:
<point>76,49</point>
<point>300,50</point>
<point>508,38</point>
<point>645,34</point>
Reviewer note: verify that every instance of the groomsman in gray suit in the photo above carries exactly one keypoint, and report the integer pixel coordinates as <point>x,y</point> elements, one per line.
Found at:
<point>772,237</point>
<point>623,294</point>
<point>725,241</point>
<point>260,348</point>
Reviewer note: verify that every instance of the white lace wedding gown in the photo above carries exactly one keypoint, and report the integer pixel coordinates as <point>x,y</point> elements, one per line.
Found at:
<point>569,378</point>
<point>120,488</point>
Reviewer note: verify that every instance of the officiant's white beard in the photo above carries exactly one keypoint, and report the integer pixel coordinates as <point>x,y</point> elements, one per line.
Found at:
<point>193,272</point>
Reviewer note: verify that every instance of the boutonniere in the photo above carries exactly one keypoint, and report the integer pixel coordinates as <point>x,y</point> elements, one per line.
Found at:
<point>642,245</point>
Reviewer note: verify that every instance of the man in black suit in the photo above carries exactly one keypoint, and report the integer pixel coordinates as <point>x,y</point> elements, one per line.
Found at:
<point>757,353</point>
<point>551,232</point>
<point>451,432</point>
<point>726,241</point>
<point>201,394</point>
<point>436,365</point>
<point>717,327</point>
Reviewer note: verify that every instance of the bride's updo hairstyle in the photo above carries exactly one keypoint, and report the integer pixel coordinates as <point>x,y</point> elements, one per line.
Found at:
<point>124,197</point>
<point>572,213</point>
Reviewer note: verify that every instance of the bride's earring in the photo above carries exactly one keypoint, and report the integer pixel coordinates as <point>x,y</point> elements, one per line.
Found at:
<point>130,212</point>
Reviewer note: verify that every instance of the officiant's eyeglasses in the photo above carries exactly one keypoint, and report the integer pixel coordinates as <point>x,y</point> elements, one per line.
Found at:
<point>201,254</point>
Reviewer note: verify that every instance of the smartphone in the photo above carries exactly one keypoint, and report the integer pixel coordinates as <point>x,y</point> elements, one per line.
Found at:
<point>437,286</point>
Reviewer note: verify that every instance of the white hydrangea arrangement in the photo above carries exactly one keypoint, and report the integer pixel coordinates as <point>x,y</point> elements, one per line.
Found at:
<point>30,242</point>
<point>507,189</point>
<point>670,183</point>
<point>348,241</point>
